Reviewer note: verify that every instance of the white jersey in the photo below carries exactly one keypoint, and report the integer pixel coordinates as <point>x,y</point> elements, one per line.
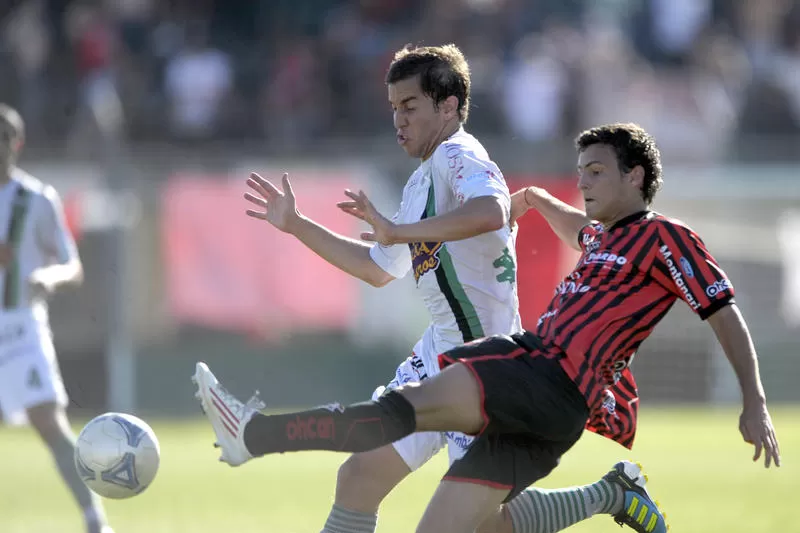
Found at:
<point>32,224</point>
<point>468,286</point>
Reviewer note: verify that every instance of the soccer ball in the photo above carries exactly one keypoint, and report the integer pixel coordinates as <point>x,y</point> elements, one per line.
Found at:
<point>117,455</point>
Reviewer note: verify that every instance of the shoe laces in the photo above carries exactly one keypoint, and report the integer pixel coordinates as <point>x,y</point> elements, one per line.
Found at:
<point>255,403</point>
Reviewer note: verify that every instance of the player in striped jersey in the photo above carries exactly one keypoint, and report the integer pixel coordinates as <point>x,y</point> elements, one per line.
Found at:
<point>37,256</point>
<point>528,397</point>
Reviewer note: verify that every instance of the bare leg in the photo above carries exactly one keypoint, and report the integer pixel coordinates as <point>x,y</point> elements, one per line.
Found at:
<point>460,507</point>
<point>364,480</point>
<point>50,421</point>
<point>498,522</point>
<point>449,401</point>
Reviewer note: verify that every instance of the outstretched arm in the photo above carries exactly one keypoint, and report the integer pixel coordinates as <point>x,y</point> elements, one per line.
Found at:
<point>565,220</point>
<point>279,208</point>
<point>755,423</point>
<point>477,216</point>
<point>348,255</point>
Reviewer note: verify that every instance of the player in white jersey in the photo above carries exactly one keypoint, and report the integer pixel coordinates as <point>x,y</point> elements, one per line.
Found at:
<point>468,286</point>
<point>452,230</point>
<point>37,256</point>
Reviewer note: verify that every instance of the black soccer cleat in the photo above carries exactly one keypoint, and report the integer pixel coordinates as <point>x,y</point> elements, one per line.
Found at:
<point>639,511</point>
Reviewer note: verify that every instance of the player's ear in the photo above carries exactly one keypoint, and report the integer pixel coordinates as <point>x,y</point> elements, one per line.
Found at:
<point>449,106</point>
<point>636,176</point>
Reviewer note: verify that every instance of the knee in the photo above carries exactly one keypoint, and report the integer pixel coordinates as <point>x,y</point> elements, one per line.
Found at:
<point>365,479</point>
<point>497,522</point>
<point>357,473</point>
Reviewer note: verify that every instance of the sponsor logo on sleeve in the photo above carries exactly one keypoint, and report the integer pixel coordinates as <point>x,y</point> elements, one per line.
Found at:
<point>677,277</point>
<point>717,287</point>
<point>686,266</point>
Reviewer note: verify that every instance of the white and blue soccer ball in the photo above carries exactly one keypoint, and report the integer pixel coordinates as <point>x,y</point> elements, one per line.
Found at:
<point>117,455</point>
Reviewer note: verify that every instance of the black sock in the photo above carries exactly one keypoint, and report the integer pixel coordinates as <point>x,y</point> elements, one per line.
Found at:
<point>358,427</point>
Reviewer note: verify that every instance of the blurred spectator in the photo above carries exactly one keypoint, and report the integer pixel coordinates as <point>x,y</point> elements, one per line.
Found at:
<point>673,27</point>
<point>29,43</point>
<point>535,84</point>
<point>133,18</point>
<point>700,73</point>
<point>198,79</point>
<point>787,65</point>
<point>294,97</point>
<point>93,40</point>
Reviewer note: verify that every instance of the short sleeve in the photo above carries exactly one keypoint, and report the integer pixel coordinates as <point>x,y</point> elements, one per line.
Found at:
<point>395,259</point>
<point>471,174</point>
<point>690,271</point>
<point>52,232</point>
<point>589,237</point>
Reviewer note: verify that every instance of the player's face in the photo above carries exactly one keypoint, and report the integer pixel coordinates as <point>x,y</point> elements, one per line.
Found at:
<point>9,143</point>
<point>418,122</point>
<point>608,193</point>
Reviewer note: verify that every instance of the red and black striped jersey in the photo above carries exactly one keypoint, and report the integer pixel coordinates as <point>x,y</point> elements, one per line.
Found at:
<point>626,280</point>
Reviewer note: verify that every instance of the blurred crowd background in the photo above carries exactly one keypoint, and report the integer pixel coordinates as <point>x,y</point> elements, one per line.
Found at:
<point>700,74</point>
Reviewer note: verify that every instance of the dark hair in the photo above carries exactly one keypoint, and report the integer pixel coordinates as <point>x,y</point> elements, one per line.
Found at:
<point>10,115</point>
<point>443,72</point>
<point>634,147</point>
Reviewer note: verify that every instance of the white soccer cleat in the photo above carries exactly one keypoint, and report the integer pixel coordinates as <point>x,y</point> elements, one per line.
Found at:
<point>228,416</point>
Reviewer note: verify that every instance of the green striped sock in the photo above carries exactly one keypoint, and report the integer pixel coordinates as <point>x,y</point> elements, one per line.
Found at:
<point>343,521</point>
<point>548,511</point>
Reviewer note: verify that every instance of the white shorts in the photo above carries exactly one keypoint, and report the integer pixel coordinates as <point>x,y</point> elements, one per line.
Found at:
<point>29,373</point>
<point>418,448</point>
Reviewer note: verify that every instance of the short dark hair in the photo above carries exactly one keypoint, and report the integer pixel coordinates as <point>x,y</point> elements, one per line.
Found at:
<point>12,117</point>
<point>634,147</point>
<point>443,72</point>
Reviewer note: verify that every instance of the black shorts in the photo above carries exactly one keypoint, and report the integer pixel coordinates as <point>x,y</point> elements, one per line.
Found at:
<point>533,412</point>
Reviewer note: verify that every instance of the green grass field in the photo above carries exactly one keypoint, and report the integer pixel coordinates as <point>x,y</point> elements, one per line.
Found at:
<point>698,466</point>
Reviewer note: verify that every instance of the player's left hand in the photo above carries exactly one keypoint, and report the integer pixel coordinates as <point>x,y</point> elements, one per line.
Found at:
<point>519,204</point>
<point>383,229</point>
<point>755,425</point>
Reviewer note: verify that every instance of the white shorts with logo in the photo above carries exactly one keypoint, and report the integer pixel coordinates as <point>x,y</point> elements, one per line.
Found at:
<point>418,448</point>
<point>29,373</point>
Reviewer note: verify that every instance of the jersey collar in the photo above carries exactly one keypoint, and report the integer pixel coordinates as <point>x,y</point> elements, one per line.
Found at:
<point>639,215</point>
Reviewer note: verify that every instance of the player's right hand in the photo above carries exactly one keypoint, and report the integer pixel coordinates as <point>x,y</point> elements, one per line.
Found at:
<point>279,208</point>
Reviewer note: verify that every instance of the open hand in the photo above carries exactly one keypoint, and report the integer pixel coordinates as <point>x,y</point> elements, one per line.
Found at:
<point>383,229</point>
<point>279,208</point>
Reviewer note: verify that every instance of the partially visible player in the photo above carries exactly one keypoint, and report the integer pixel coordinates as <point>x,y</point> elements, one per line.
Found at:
<point>528,397</point>
<point>37,256</point>
<point>452,231</point>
